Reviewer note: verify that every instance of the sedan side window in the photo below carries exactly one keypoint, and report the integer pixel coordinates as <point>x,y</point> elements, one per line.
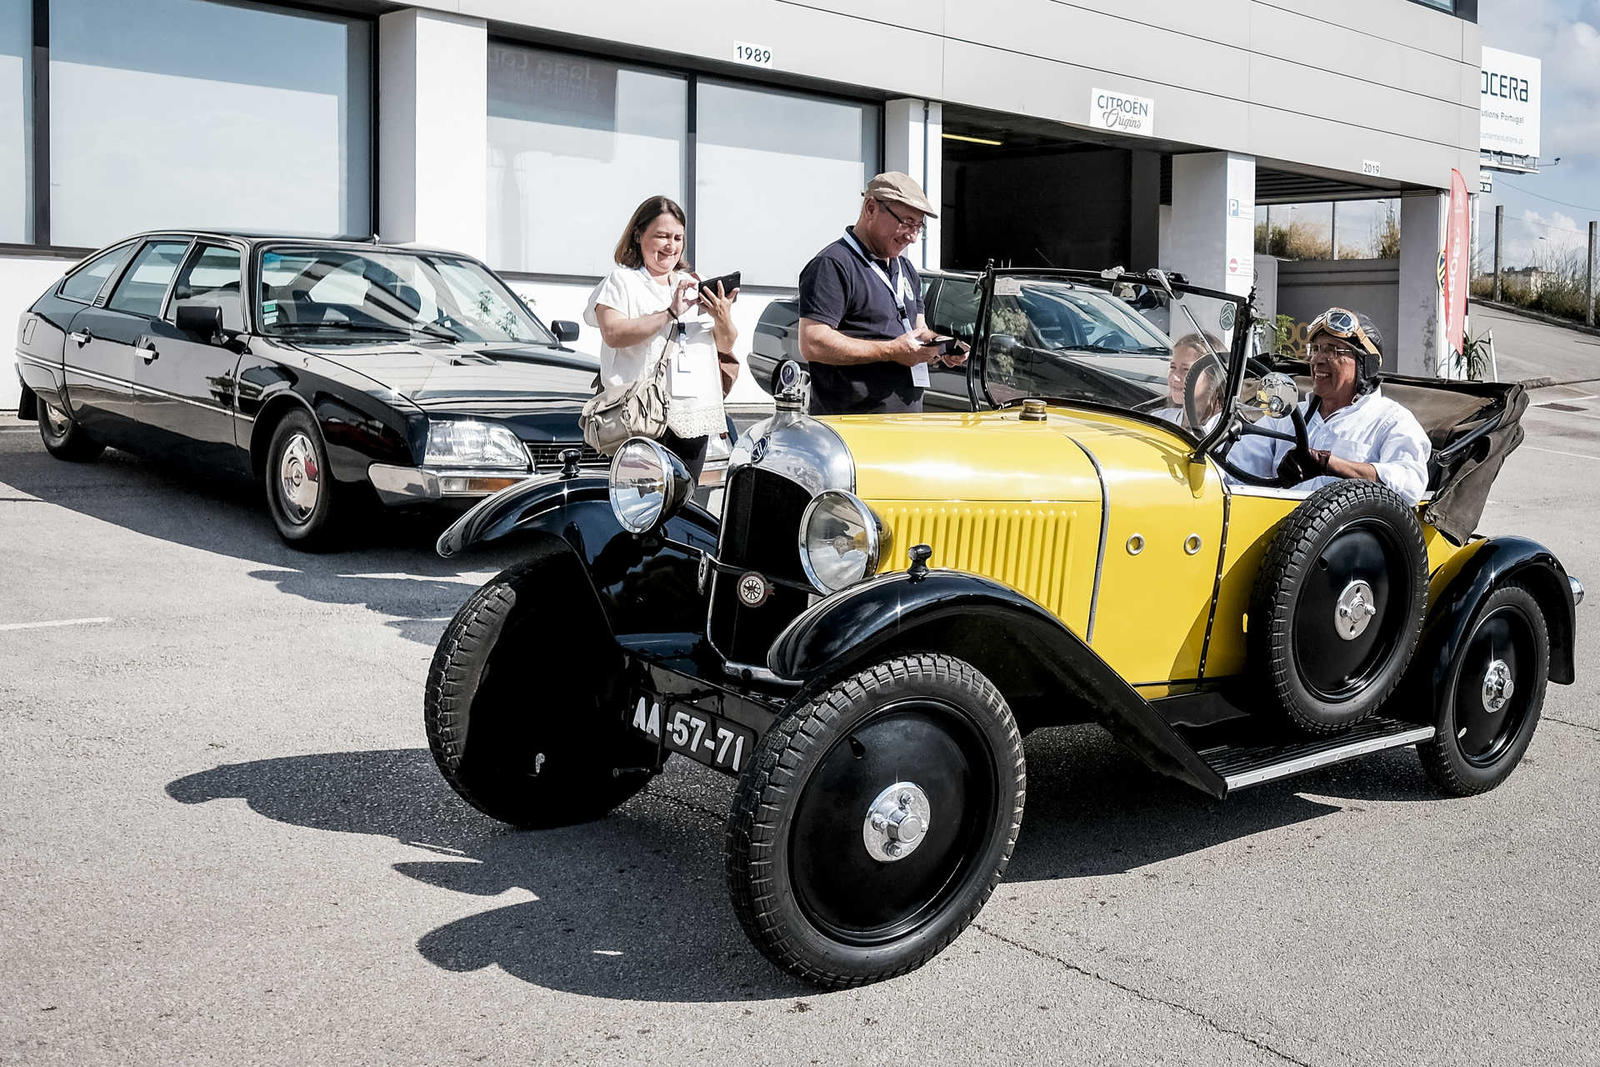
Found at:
<point>86,282</point>
<point>210,279</point>
<point>144,286</point>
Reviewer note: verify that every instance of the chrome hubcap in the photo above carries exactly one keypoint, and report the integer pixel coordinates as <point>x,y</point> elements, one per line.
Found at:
<point>896,822</point>
<point>56,419</point>
<point>1497,686</point>
<point>1354,610</point>
<point>299,478</point>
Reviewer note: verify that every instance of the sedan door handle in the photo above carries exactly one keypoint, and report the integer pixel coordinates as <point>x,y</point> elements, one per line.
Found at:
<point>82,338</point>
<point>149,354</point>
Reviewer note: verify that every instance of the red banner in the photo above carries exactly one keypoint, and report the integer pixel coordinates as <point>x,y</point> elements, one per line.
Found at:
<point>1457,264</point>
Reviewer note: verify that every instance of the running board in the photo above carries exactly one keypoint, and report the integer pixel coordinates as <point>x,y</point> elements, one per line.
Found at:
<point>1242,765</point>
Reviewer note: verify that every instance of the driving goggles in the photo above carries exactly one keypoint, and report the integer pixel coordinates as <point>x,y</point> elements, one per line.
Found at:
<point>1344,325</point>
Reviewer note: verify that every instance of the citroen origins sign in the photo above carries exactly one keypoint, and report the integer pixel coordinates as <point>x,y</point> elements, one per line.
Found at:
<point>1121,113</point>
<point>1509,103</point>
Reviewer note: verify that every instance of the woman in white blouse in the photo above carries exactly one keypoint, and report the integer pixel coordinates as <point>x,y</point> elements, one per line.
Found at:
<point>638,306</point>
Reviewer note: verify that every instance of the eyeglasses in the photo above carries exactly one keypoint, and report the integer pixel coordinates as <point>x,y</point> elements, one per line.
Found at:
<point>916,228</point>
<point>1332,351</point>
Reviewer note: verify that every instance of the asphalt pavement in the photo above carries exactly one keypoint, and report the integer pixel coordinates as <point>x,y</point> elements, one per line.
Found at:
<point>225,842</point>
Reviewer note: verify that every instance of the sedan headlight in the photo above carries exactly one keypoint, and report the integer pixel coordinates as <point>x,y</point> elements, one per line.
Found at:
<point>470,443</point>
<point>841,540</point>
<point>648,484</point>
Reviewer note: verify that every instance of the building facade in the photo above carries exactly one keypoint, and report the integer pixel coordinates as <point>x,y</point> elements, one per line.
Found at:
<point>1087,133</point>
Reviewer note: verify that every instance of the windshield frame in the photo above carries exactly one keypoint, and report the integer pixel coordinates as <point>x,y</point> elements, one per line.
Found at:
<point>1235,357</point>
<point>430,259</point>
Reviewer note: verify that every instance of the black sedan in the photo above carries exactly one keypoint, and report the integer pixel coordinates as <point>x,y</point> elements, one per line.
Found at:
<point>332,372</point>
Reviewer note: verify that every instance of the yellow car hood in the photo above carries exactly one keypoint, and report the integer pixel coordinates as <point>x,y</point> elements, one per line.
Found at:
<point>995,456</point>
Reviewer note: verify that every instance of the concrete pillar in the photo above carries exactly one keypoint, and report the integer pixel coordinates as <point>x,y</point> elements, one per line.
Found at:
<point>1419,349</point>
<point>433,130</point>
<point>1211,237</point>
<point>912,145</point>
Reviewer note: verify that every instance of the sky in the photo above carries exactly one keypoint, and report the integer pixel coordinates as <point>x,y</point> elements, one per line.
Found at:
<point>1558,203</point>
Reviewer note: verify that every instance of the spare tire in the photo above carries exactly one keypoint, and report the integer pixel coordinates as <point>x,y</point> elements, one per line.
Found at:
<point>1338,605</point>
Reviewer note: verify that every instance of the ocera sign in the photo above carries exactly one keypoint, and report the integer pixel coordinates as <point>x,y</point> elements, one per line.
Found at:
<point>1122,113</point>
<point>1509,93</point>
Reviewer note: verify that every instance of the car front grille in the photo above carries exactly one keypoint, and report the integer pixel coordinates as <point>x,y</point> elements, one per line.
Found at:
<point>547,457</point>
<point>760,532</point>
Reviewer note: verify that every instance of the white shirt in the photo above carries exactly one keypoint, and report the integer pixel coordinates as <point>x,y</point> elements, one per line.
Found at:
<point>696,381</point>
<point>1373,429</point>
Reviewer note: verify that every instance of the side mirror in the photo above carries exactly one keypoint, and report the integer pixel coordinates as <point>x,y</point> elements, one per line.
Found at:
<point>565,330</point>
<point>200,320</point>
<point>1275,397</point>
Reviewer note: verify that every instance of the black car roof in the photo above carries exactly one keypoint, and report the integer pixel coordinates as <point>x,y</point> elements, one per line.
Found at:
<point>253,238</point>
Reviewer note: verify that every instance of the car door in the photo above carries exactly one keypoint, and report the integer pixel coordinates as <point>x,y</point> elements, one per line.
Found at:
<point>98,379</point>
<point>187,383</point>
<point>111,340</point>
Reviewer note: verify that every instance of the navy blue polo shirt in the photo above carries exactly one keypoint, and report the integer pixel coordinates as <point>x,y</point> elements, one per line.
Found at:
<point>839,289</point>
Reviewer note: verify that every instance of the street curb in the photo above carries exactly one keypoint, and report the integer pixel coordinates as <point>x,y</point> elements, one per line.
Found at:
<point>1539,316</point>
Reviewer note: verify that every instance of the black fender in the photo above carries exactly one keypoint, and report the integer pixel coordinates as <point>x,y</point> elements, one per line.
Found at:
<point>1019,645</point>
<point>1459,588</point>
<point>645,584</point>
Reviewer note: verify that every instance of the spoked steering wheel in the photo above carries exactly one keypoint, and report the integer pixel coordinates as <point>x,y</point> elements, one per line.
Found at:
<point>1209,368</point>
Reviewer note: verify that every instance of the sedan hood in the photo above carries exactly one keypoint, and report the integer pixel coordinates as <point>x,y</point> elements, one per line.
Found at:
<point>486,379</point>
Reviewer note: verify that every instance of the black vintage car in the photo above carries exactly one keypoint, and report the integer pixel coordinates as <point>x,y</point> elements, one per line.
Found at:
<point>332,372</point>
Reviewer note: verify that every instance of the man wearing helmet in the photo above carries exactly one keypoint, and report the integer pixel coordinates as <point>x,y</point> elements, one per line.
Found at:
<point>1352,429</point>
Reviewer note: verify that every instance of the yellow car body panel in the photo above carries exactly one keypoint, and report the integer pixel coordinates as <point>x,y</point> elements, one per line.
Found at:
<point>1021,502</point>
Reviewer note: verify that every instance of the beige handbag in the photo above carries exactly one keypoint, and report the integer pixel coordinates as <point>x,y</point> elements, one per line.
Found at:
<point>638,409</point>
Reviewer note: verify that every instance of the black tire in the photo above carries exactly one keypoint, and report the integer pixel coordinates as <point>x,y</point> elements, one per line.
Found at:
<point>1477,745</point>
<point>805,886</point>
<point>62,436</point>
<point>305,501</point>
<point>516,707</point>
<point>1344,536</point>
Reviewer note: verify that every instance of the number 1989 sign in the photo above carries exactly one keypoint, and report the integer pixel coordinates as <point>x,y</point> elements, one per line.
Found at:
<point>753,55</point>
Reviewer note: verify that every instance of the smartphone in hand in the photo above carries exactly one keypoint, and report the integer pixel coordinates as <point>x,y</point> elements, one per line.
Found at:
<point>945,345</point>
<point>729,283</point>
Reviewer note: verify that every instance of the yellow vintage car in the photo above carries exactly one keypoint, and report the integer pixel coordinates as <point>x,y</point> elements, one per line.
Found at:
<point>883,606</point>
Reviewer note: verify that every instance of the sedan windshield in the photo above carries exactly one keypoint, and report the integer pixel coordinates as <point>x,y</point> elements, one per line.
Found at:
<point>1103,343</point>
<point>334,293</point>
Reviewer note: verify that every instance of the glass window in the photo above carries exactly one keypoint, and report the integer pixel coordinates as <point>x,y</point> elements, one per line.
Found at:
<point>574,145</point>
<point>86,282</point>
<point>16,121</point>
<point>144,285</point>
<point>328,292</point>
<point>210,279</point>
<point>193,113</point>
<point>777,176</point>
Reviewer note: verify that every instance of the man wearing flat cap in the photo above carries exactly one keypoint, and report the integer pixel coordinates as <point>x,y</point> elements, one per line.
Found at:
<point>862,331</point>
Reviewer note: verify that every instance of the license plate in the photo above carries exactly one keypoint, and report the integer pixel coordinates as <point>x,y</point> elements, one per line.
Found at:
<point>711,740</point>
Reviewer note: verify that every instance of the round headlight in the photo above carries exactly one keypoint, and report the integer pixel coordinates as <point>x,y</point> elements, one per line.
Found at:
<point>648,484</point>
<point>841,540</point>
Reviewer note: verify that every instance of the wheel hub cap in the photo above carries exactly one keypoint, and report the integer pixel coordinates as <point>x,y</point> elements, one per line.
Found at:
<point>896,822</point>
<point>1354,610</point>
<point>1497,686</point>
<point>56,418</point>
<point>299,480</point>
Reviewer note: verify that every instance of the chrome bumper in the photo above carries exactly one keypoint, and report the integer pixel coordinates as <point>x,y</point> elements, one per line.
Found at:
<point>419,485</point>
<point>1577,590</point>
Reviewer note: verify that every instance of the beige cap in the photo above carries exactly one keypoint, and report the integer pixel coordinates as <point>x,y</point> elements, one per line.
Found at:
<point>902,189</point>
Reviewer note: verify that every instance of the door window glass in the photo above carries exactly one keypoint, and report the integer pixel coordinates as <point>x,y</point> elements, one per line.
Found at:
<point>86,282</point>
<point>211,279</point>
<point>144,286</point>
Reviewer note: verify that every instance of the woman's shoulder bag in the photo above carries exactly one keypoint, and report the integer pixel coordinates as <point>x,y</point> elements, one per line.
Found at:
<point>636,409</point>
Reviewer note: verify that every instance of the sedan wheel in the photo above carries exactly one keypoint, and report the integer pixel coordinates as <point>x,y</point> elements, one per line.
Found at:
<point>301,494</point>
<point>875,821</point>
<point>62,436</point>
<point>1490,706</point>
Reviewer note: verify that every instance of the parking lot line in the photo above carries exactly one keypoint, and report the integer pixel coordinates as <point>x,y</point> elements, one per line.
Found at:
<point>53,622</point>
<point>1558,452</point>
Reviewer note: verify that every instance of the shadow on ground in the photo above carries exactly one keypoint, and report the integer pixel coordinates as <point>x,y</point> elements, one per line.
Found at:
<point>389,565</point>
<point>634,906</point>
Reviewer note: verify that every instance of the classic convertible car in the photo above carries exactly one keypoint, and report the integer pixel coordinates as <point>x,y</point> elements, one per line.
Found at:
<point>331,372</point>
<point>887,604</point>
